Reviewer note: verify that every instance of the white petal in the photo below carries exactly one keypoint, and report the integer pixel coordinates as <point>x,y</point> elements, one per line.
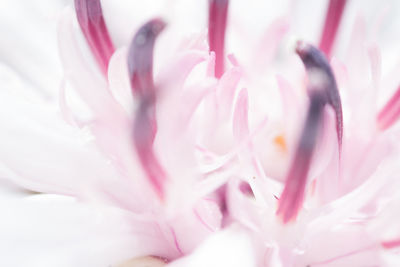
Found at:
<point>231,247</point>
<point>30,44</point>
<point>41,152</point>
<point>47,231</point>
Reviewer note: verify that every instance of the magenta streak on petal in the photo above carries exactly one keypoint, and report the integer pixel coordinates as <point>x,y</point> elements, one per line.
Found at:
<point>314,60</point>
<point>390,112</point>
<point>176,243</point>
<point>140,65</point>
<point>391,244</point>
<point>218,13</point>
<point>348,254</point>
<point>245,189</point>
<point>332,21</point>
<point>196,213</point>
<point>91,21</point>
<point>293,193</point>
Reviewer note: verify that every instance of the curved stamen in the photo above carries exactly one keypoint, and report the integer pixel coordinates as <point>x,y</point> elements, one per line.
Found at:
<point>140,66</point>
<point>315,61</point>
<point>91,21</point>
<point>390,113</point>
<point>332,21</point>
<point>293,193</point>
<point>140,58</point>
<point>218,13</point>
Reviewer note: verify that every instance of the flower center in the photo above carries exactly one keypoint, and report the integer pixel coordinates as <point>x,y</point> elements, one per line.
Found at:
<point>218,13</point>
<point>332,21</point>
<point>140,67</point>
<point>91,21</point>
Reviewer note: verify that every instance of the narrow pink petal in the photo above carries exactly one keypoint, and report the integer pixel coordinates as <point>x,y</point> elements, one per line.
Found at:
<point>218,14</point>
<point>65,110</point>
<point>242,206</point>
<point>233,60</point>
<point>192,99</point>
<point>118,80</point>
<point>376,62</point>
<point>196,41</point>
<point>91,21</point>
<point>341,73</point>
<point>390,113</point>
<point>355,60</point>
<point>240,116</point>
<point>325,165</point>
<point>378,24</point>
<point>173,76</point>
<point>211,65</point>
<point>348,254</point>
<point>291,108</point>
<point>209,214</point>
<point>267,48</point>
<point>194,225</point>
<point>226,91</point>
<point>332,21</point>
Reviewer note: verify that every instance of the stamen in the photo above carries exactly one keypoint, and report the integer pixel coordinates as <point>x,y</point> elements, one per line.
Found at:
<point>332,21</point>
<point>390,112</point>
<point>91,21</point>
<point>315,62</point>
<point>293,193</point>
<point>218,13</point>
<point>140,58</point>
<point>140,66</point>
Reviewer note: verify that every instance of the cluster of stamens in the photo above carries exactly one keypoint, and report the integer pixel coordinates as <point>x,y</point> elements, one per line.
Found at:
<point>322,90</point>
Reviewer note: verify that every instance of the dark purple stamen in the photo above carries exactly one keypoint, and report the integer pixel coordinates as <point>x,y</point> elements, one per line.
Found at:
<point>91,21</point>
<point>140,67</point>
<point>140,58</point>
<point>332,21</point>
<point>316,63</point>
<point>218,13</point>
<point>293,193</point>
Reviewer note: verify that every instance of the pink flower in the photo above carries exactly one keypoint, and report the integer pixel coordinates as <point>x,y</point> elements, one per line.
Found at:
<point>219,148</point>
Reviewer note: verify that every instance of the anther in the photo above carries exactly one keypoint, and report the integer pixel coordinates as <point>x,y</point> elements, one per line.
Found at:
<point>318,67</point>
<point>140,58</point>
